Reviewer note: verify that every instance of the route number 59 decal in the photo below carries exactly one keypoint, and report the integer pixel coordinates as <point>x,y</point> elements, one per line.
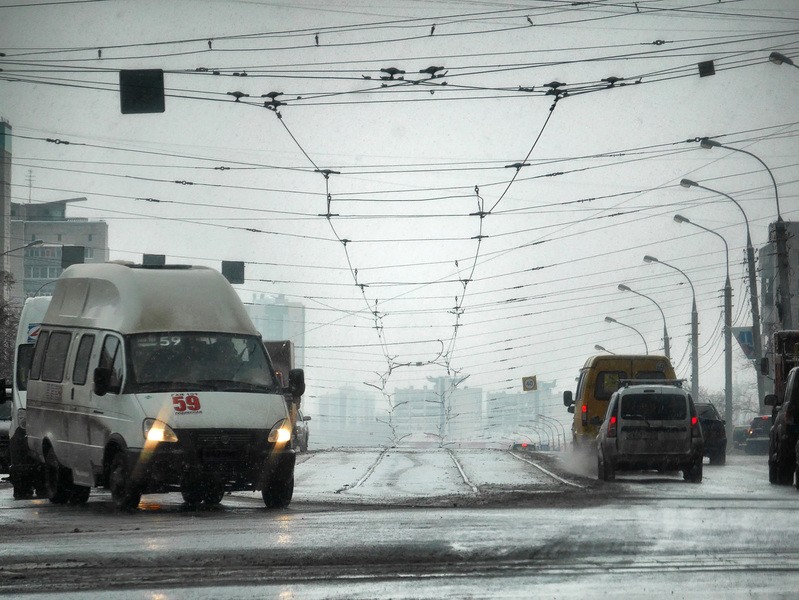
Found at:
<point>185,402</point>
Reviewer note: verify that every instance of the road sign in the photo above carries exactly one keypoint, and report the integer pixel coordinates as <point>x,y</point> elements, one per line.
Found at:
<point>529,384</point>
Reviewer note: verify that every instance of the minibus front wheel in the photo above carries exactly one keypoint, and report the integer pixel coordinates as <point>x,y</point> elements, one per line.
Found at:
<point>124,493</point>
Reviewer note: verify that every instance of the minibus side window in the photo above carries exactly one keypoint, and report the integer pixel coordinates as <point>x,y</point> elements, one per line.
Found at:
<point>81,370</point>
<point>55,356</point>
<point>607,382</point>
<point>111,358</point>
<point>38,355</point>
<point>24,355</point>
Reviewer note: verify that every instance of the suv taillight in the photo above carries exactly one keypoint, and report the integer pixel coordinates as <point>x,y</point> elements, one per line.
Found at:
<point>584,412</point>
<point>612,426</point>
<point>695,430</point>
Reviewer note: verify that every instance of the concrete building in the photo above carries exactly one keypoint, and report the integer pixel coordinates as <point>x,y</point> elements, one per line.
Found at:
<point>278,319</point>
<point>38,266</point>
<point>346,417</point>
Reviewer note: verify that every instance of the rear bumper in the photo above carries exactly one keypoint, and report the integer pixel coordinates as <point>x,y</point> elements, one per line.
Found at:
<point>669,462</point>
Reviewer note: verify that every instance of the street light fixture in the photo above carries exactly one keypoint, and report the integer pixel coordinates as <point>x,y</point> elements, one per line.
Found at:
<point>28,245</point>
<point>780,59</point>
<point>694,327</point>
<point>783,296</point>
<point>643,339</point>
<point>666,347</point>
<point>727,327</point>
<point>750,262</point>
<point>599,348</point>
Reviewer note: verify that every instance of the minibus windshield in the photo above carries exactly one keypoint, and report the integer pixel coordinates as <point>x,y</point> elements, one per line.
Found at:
<point>200,361</point>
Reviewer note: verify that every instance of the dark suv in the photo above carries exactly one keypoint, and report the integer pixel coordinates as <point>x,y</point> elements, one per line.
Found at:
<point>757,438</point>
<point>713,432</point>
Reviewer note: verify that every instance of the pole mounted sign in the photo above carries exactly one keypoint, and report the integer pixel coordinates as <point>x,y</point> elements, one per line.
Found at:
<point>746,340</point>
<point>529,384</point>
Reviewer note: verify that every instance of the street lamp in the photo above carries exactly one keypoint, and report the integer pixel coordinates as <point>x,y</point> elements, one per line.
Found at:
<point>612,320</point>
<point>781,59</point>
<point>750,262</point>
<point>28,245</point>
<point>599,348</point>
<point>727,327</point>
<point>625,288</point>
<point>780,234</point>
<point>2,263</point>
<point>557,424</point>
<point>694,327</point>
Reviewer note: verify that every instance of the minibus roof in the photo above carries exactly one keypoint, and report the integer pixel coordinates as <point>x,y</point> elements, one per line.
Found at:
<point>136,299</point>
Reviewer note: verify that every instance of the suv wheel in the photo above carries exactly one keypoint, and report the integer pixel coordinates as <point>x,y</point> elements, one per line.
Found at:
<point>693,473</point>
<point>719,458</point>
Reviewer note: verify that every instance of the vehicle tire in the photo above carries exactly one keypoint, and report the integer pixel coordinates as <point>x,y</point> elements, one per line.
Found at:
<point>772,465</point>
<point>719,458</point>
<point>124,493</point>
<point>192,494</point>
<point>784,469</point>
<point>80,494</point>
<point>213,492</point>
<point>278,492</point>
<point>693,474</point>
<point>600,469</point>
<point>57,479</point>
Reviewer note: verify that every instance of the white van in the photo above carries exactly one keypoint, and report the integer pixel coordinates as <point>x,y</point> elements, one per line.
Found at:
<point>154,379</point>
<point>24,471</point>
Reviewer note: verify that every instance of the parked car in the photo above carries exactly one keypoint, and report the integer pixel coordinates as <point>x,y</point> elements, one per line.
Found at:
<point>757,437</point>
<point>301,432</point>
<point>739,435</point>
<point>650,426</point>
<point>713,432</point>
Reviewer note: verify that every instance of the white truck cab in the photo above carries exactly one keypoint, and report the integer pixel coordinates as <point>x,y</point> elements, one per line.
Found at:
<point>154,379</point>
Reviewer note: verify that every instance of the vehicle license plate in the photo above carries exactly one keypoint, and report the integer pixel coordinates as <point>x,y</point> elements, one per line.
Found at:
<point>641,434</point>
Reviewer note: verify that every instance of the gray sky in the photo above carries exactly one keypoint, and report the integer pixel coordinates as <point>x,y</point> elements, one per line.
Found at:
<point>521,290</point>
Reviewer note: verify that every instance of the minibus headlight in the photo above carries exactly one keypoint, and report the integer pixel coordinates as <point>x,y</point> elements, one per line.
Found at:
<point>281,434</point>
<point>158,431</point>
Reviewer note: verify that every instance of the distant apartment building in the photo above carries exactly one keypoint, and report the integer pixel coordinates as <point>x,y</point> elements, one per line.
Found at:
<point>278,319</point>
<point>445,410</point>
<point>36,267</point>
<point>347,417</point>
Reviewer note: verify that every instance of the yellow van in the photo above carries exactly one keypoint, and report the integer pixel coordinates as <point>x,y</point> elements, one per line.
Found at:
<point>599,378</point>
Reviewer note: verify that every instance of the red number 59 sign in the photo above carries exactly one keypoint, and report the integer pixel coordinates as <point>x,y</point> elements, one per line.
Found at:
<point>182,403</point>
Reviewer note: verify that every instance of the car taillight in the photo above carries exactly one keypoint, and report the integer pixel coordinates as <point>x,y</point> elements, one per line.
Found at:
<point>524,444</point>
<point>584,411</point>
<point>695,430</point>
<point>612,426</point>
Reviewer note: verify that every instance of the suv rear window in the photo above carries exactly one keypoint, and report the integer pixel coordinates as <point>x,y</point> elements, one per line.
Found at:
<point>654,407</point>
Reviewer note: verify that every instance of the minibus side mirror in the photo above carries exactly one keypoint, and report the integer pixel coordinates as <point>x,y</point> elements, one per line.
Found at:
<point>570,409</point>
<point>764,365</point>
<point>296,387</point>
<point>102,381</point>
<point>306,418</point>
<point>770,400</point>
<point>568,400</point>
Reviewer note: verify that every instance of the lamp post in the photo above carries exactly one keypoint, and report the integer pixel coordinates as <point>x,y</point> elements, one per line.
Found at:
<point>2,263</point>
<point>780,234</point>
<point>694,328</point>
<point>781,59</point>
<point>727,327</point>
<point>599,348</point>
<point>757,340</point>
<point>666,349</point>
<point>612,320</point>
<point>557,424</point>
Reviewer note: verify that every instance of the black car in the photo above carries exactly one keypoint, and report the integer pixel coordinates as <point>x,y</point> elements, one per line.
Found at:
<point>757,438</point>
<point>713,432</point>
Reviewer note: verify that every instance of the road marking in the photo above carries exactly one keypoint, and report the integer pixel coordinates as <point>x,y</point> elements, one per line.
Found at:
<point>543,470</point>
